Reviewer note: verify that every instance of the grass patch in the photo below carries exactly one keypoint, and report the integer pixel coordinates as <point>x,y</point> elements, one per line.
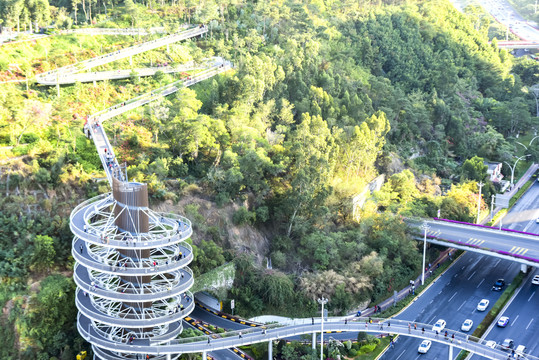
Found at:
<point>375,352</point>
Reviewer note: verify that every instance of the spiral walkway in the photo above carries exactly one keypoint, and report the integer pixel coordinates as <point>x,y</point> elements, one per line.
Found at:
<point>131,269</point>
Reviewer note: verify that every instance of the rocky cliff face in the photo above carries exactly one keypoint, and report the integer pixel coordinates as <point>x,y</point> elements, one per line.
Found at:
<point>209,217</point>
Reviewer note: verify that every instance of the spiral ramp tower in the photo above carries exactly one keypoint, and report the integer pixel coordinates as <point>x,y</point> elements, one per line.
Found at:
<point>131,269</point>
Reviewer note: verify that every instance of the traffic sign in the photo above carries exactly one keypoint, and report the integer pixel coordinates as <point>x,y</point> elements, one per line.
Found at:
<point>502,200</point>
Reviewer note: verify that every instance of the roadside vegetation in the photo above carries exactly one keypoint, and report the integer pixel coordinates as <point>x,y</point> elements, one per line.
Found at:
<point>266,159</point>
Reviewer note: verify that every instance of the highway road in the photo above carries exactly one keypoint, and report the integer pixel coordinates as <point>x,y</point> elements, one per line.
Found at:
<point>524,215</point>
<point>454,298</point>
<point>506,15</point>
<point>522,312</point>
<point>455,295</point>
<point>523,324</point>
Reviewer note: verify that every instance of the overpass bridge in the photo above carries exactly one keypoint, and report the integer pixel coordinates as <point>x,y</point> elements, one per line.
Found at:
<point>506,244</point>
<point>524,44</point>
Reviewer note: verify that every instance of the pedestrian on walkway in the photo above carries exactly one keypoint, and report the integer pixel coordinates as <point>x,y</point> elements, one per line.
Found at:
<point>81,248</point>
<point>312,320</point>
<point>345,321</point>
<point>240,335</point>
<point>415,326</point>
<point>208,340</point>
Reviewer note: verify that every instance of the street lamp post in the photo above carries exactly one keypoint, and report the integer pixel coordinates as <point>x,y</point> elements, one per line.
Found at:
<point>322,301</point>
<point>480,184</point>
<point>425,228</point>
<point>514,166</point>
<point>532,140</point>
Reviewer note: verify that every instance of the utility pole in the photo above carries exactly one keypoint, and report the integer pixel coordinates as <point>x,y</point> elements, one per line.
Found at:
<point>425,228</point>
<point>480,184</point>
<point>492,208</point>
<point>535,88</point>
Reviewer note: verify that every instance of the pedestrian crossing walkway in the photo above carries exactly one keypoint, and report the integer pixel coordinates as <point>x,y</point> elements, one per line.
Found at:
<point>518,250</point>
<point>434,233</point>
<point>474,241</point>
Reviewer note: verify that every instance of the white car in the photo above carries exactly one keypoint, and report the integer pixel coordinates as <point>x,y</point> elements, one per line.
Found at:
<point>483,305</point>
<point>535,280</point>
<point>439,326</point>
<point>424,347</point>
<point>466,325</point>
<point>491,344</point>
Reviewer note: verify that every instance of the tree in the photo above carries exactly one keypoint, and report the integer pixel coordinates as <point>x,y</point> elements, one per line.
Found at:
<point>312,149</point>
<point>132,10</point>
<point>474,169</point>
<point>44,253</point>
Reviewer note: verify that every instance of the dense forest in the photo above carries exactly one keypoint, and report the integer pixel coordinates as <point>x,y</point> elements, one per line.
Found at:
<point>325,96</point>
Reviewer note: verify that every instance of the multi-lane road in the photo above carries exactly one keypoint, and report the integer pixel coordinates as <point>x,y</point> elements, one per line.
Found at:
<point>506,15</point>
<point>454,297</point>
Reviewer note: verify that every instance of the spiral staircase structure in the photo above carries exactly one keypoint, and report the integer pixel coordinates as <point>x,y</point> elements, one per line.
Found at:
<point>131,269</point>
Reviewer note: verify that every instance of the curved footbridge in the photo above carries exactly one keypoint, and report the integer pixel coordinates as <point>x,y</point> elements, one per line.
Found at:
<point>73,73</point>
<point>270,333</point>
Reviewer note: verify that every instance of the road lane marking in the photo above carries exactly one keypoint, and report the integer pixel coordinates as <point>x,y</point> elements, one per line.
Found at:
<point>480,242</point>
<point>531,296</point>
<point>480,283</point>
<point>525,251</point>
<point>403,351</point>
<point>514,321</point>
<point>461,305</point>
<point>471,276</point>
<point>455,294</point>
<point>512,249</point>
<point>497,262</point>
<point>529,324</point>
<point>431,301</point>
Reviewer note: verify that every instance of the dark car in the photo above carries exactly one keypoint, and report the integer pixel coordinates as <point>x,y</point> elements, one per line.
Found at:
<point>498,285</point>
<point>508,344</point>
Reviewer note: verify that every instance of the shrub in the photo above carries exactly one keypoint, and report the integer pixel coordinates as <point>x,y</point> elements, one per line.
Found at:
<point>243,216</point>
<point>262,214</point>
